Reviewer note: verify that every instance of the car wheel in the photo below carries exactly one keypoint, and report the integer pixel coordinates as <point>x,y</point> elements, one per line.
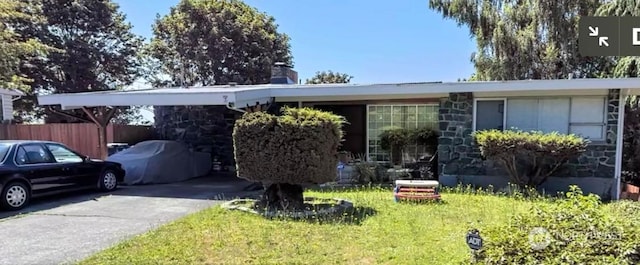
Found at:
<point>108,181</point>
<point>15,196</point>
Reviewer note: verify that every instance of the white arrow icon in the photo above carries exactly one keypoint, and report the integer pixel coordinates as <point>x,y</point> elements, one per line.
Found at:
<point>594,31</point>
<point>602,41</point>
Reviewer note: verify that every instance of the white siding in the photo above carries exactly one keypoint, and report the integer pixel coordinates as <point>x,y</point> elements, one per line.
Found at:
<point>7,107</point>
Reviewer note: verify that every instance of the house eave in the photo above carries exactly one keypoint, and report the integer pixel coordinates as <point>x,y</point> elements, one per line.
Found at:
<point>248,94</point>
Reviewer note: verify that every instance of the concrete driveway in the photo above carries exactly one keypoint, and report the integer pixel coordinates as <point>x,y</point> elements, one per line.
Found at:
<point>66,229</point>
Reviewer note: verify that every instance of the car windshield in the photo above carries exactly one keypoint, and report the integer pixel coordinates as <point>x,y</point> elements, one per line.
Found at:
<point>4,150</point>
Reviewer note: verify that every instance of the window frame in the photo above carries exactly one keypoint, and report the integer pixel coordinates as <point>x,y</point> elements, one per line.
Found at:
<point>475,111</point>
<point>570,124</point>
<point>394,105</point>
<point>46,150</point>
<point>603,123</point>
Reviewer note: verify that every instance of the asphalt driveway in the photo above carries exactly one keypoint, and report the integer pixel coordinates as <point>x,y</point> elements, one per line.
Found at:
<point>66,229</point>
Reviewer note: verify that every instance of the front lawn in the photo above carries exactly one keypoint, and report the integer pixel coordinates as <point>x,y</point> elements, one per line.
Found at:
<point>393,234</point>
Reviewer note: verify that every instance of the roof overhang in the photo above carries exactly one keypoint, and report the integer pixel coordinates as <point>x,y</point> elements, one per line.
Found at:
<point>241,96</point>
<point>230,96</point>
<point>12,92</point>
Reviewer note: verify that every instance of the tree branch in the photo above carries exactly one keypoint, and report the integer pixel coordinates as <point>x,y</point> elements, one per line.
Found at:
<point>73,116</point>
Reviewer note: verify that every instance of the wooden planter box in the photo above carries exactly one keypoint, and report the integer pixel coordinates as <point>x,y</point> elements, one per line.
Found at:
<point>630,192</point>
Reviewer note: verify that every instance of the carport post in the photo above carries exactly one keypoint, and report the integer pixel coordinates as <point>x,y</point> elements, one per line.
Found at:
<point>102,122</point>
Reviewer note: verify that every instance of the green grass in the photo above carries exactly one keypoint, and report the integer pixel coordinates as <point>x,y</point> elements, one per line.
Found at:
<point>396,233</point>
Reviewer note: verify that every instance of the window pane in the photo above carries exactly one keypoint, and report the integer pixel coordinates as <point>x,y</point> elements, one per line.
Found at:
<point>553,115</point>
<point>489,114</point>
<point>591,132</point>
<point>35,154</point>
<point>522,114</point>
<point>63,155</point>
<point>587,110</point>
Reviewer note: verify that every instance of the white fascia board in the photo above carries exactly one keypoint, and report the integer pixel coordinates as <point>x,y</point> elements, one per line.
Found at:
<point>543,85</point>
<point>251,97</point>
<point>137,99</point>
<point>439,89</point>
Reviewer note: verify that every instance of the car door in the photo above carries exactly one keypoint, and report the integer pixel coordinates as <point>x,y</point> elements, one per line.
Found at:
<point>81,173</point>
<point>39,168</point>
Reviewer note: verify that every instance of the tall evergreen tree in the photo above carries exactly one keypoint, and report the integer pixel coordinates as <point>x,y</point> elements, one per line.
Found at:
<point>208,42</point>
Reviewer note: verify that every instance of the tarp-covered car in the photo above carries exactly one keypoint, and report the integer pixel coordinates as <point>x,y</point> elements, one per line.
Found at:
<point>158,162</point>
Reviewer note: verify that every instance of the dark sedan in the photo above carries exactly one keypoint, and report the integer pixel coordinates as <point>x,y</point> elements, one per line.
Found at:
<point>39,168</point>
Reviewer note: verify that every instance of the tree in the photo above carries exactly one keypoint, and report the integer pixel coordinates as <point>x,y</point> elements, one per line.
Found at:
<point>16,48</point>
<point>526,39</point>
<point>99,52</point>
<point>207,42</point>
<point>304,142</point>
<point>329,77</point>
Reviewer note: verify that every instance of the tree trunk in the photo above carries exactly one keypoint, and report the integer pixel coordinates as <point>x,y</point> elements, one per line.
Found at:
<point>282,196</point>
<point>102,138</point>
<point>396,156</point>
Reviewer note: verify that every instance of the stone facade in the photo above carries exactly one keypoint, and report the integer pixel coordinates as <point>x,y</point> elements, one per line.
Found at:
<point>458,155</point>
<point>204,128</point>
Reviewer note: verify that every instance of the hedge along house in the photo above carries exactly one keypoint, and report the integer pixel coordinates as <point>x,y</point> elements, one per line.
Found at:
<point>203,117</point>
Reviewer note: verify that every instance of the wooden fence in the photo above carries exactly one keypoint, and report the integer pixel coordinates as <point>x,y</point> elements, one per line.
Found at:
<point>82,137</point>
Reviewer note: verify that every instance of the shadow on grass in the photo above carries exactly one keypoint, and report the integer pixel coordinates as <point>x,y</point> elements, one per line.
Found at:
<point>423,202</point>
<point>353,216</point>
<point>317,211</point>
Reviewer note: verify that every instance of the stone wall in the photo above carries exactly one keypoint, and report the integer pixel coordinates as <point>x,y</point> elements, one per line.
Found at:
<point>205,128</point>
<point>458,155</point>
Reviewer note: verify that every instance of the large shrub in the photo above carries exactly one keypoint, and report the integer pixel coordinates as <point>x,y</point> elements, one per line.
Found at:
<point>529,157</point>
<point>298,147</point>
<point>575,230</point>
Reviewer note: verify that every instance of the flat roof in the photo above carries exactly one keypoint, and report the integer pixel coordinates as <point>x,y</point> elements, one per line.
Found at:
<point>242,95</point>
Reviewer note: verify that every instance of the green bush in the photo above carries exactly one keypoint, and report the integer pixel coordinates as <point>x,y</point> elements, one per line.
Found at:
<point>529,157</point>
<point>577,229</point>
<point>299,147</point>
<point>395,139</point>
<point>426,136</point>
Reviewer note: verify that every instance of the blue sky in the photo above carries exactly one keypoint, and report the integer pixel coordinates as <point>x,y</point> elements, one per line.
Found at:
<point>374,41</point>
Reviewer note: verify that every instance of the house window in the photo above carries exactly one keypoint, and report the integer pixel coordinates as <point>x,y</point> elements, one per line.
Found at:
<point>584,116</point>
<point>381,117</point>
<point>491,112</point>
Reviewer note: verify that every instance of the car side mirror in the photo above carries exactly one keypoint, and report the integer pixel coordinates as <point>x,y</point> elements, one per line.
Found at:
<point>86,158</point>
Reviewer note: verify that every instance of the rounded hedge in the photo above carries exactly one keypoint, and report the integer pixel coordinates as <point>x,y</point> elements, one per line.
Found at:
<point>298,147</point>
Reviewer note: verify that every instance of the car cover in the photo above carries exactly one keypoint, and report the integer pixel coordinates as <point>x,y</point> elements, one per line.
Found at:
<point>159,161</point>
